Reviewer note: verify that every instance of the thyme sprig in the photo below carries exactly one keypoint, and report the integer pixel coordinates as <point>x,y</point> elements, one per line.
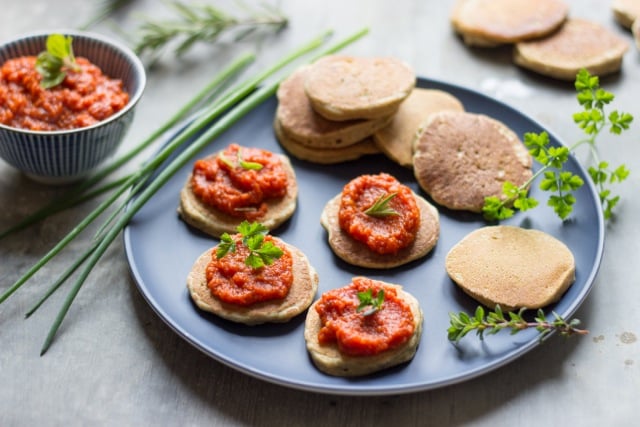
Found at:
<point>561,183</point>
<point>261,253</point>
<point>495,321</point>
<point>202,23</point>
<point>367,299</point>
<point>380,207</point>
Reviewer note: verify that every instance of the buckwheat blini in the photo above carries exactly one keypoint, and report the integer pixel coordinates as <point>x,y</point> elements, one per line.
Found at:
<point>237,184</point>
<point>495,22</point>
<point>626,12</point>
<point>363,238</point>
<point>347,87</point>
<point>346,341</point>
<point>512,267</point>
<point>461,158</point>
<point>324,156</point>
<point>578,44</point>
<point>397,139</point>
<point>234,291</point>
<point>299,122</point>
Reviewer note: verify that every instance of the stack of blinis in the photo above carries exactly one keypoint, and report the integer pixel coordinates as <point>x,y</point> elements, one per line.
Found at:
<point>328,112</point>
<point>627,13</point>
<point>545,38</point>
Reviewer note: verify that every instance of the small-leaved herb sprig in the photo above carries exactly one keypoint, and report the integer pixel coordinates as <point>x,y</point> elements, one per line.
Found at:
<point>380,207</point>
<point>243,163</point>
<point>371,303</point>
<point>495,321</point>
<point>562,183</point>
<point>261,253</point>
<point>53,63</point>
<point>202,23</point>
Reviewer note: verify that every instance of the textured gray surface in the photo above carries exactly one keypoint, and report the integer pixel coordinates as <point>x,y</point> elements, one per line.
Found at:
<point>116,363</point>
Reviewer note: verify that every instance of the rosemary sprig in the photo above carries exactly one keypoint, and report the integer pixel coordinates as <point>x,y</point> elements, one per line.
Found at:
<point>495,321</point>
<point>105,9</point>
<point>367,299</point>
<point>593,119</point>
<point>202,23</point>
<point>380,207</point>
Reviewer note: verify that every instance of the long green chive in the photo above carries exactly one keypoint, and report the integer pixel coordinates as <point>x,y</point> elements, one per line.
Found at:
<point>63,278</point>
<point>77,195</point>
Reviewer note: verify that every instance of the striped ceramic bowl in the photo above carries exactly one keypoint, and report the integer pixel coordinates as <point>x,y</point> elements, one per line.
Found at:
<point>58,157</point>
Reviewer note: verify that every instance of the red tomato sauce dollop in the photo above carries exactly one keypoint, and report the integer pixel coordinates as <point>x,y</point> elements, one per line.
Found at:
<point>83,98</point>
<point>223,183</point>
<point>356,334</point>
<point>234,282</point>
<point>383,235</point>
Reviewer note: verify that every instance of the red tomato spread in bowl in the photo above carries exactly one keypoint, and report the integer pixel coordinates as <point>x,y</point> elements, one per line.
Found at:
<point>84,97</point>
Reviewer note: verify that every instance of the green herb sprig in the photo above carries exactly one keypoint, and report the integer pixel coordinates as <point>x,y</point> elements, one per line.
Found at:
<point>367,299</point>
<point>261,253</point>
<point>243,164</point>
<point>495,321</point>
<point>52,63</point>
<point>380,207</point>
<point>562,183</point>
<point>202,23</point>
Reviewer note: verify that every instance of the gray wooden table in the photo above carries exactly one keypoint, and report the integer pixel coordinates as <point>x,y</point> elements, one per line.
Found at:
<point>115,362</point>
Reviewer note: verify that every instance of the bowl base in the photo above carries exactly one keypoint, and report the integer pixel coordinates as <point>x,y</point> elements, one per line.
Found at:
<point>53,180</point>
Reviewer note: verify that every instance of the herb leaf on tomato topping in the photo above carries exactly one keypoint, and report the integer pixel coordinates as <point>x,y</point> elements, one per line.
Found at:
<point>261,253</point>
<point>381,206</point>
<point>368,300</point>
<point>248,165</point>
<point>52,63</point>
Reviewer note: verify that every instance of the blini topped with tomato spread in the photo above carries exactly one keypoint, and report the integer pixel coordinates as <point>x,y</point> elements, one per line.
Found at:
<point>346,337</point>
<point>237,184</point>
<point>377,222</point>
<point>275,293</point>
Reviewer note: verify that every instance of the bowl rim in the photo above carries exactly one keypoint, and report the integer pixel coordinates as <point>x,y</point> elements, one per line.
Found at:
<point>133,59</point>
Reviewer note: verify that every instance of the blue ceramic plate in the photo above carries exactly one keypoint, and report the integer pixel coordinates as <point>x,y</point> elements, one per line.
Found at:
<point>161,250</point>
